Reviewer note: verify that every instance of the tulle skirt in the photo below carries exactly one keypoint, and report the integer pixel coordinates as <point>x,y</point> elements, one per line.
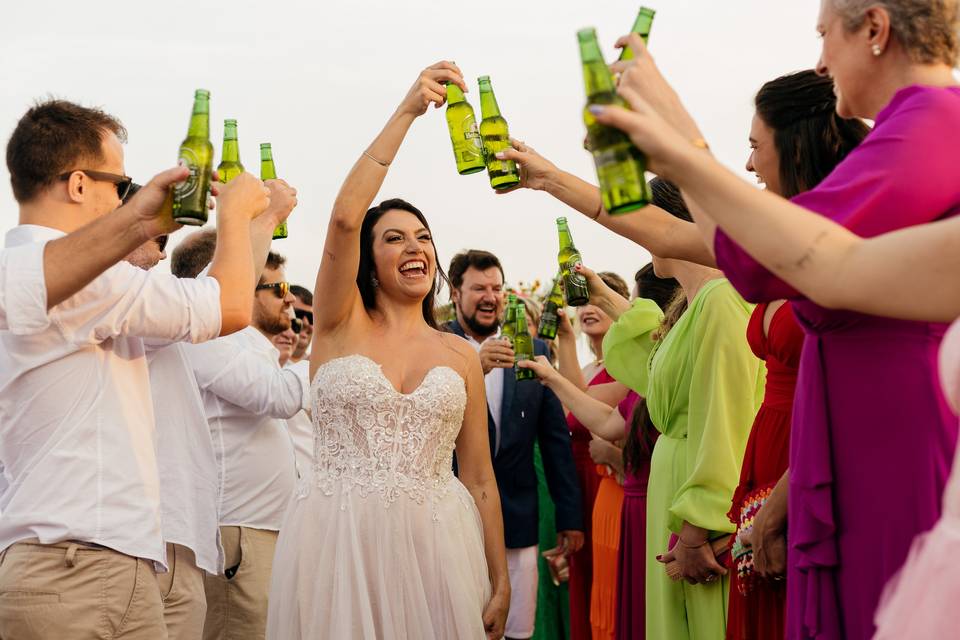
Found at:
<point>921,601</point>
<point>349,566</point>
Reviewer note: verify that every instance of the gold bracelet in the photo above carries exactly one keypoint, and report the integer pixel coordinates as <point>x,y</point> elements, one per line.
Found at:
<point>691,546</point>
<point>379,162</point>
<point>700,143</point>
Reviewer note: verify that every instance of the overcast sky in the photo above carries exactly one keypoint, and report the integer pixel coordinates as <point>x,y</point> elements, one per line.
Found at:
<point>319,79</point>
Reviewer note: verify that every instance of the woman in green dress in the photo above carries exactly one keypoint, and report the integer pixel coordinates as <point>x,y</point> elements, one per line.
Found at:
<point>705,386</point>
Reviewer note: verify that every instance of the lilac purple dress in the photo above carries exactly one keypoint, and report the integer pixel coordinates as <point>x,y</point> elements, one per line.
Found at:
<point>872,437</point>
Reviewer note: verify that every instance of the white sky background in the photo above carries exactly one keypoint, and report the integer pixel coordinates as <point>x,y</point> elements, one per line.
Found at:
<point>319,79</point>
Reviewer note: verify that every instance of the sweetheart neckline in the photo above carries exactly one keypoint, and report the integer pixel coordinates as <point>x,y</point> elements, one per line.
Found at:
<point>384,377</point>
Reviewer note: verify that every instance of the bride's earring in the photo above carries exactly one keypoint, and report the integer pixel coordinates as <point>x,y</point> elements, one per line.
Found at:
<point>374,281</point>
<point>876,50</point>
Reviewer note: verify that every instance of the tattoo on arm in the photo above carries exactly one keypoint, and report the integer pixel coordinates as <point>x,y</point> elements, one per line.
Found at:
<point>807,256</point>
<point>483,496</point>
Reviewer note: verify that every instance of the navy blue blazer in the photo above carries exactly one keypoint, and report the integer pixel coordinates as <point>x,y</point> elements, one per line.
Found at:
<point>530,412</point>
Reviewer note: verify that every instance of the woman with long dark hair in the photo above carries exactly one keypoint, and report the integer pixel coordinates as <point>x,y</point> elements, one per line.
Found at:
<point>384,542</point>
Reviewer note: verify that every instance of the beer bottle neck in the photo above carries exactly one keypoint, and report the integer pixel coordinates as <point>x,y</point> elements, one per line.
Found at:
<point>596,75</point>
<point>454,93</point>
<point>521,320</point>
<point>267,169</point>
<point>566,240</point>
<point>643,23</point>
<point>231,148</point>
<point>200,121</point>
<point>488,101</point>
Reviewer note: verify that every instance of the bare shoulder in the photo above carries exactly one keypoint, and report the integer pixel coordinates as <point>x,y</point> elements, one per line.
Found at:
<point>462,355</point>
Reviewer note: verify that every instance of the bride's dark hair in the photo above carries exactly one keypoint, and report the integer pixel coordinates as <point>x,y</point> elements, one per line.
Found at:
<point>368,268</point>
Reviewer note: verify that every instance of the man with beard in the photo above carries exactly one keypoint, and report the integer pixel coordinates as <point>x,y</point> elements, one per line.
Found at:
<point>247,398</point>
<point>519,414</point>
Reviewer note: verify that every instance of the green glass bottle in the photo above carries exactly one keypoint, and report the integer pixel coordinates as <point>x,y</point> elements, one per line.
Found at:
<point>496,137</point>
<point>522,344</point>
<point>641,27</point>
<point>268,171</point>
<point>620,165</point>
<point>574,284</point>
<point>230,167</point>
<point>509,329</point>
<point>550,319</point>
<point>196,153</point>
<point>462,123</point>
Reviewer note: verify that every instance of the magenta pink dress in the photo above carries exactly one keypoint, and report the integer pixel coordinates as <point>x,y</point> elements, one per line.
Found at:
<point>921,602</point>
<point>872,437</point>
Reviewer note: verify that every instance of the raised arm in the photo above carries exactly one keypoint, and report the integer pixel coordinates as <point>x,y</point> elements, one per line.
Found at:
<point>653,228</point>
<point>821,259</point>
<point>243,199</point>
<point>336,292</point>
<point>71,262</point>
<point>476,472</point>
<point>592,413</point>
<point>283,199</point>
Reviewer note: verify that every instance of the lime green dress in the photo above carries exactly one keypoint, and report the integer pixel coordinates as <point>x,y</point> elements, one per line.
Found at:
<point>703,391</point>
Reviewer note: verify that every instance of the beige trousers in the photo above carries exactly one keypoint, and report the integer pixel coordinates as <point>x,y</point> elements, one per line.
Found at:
<point>237,605</point>
<point>77,591</point>
<point>184,602</point>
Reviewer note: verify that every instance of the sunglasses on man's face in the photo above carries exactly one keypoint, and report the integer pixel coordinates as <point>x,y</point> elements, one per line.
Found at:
<point>296,325</point>
<point>280,289</point>
<point>303,313</point>
<point>122,183</point>
<point>161,242</point>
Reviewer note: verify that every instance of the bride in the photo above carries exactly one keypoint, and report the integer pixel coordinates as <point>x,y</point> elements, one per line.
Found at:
<point>385,542</point>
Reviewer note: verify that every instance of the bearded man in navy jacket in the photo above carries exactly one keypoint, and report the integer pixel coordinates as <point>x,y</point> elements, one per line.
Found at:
<point>519,414</point>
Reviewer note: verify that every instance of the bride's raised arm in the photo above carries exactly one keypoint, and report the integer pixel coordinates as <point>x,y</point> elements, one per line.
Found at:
<point>336,290</point>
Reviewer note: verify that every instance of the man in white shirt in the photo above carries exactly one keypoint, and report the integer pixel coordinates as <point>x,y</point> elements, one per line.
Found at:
<point>80,524</point>
<point>189,487</point>
<point>36,277</point>
<point>247,397</point>
<point>299,426</point>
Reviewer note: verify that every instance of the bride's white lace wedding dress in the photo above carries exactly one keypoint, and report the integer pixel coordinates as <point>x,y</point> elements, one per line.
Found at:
<point>384,542</point>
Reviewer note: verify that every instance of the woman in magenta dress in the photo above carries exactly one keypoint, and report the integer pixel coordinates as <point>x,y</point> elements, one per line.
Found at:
<point>872,437</point>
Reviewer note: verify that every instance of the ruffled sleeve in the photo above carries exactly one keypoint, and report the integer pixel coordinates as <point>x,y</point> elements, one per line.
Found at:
<point>628,343</point>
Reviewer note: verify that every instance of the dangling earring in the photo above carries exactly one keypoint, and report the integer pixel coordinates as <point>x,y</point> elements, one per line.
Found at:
<point>374,281</point>
<point>876,50</point>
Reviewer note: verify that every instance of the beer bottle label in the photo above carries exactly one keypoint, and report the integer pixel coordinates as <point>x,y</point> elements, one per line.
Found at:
<point>577,279</point>
<point>188,159</point>
<point>473,145</point>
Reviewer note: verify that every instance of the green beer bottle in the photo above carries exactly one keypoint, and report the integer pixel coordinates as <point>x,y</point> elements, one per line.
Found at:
<point>269,172</point>
<point>196,153</point>
<point>230,167</point>
<point>462,123</point>
<point>510,318</point>
<point>522,344</point>
<point>550,319</point>
<point>574,284</point>
<point>620,165</point>
<point>642,28</point>
<point>496,137</point>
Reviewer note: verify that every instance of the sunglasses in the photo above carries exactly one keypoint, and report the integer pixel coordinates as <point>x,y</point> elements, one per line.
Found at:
<point>121,182</point>
<point>161,242</point>
<point>280,289</point>
<point>296,325</point>
<point>303,313</point>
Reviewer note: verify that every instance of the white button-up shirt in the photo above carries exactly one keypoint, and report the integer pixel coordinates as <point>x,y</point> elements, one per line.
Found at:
<point>76,414</point>
<point>189,482</point>
<point>301,425</point>
<point>23,291</point>
<point>247,398</point>
<point>493,382</point>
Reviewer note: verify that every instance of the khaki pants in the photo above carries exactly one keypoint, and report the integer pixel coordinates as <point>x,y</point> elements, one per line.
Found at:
<point>77,591</point>
<point>237,606</point>
<point>184,602</point>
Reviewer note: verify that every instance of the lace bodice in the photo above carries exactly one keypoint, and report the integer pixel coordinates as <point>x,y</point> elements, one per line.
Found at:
<point>369,437</point>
